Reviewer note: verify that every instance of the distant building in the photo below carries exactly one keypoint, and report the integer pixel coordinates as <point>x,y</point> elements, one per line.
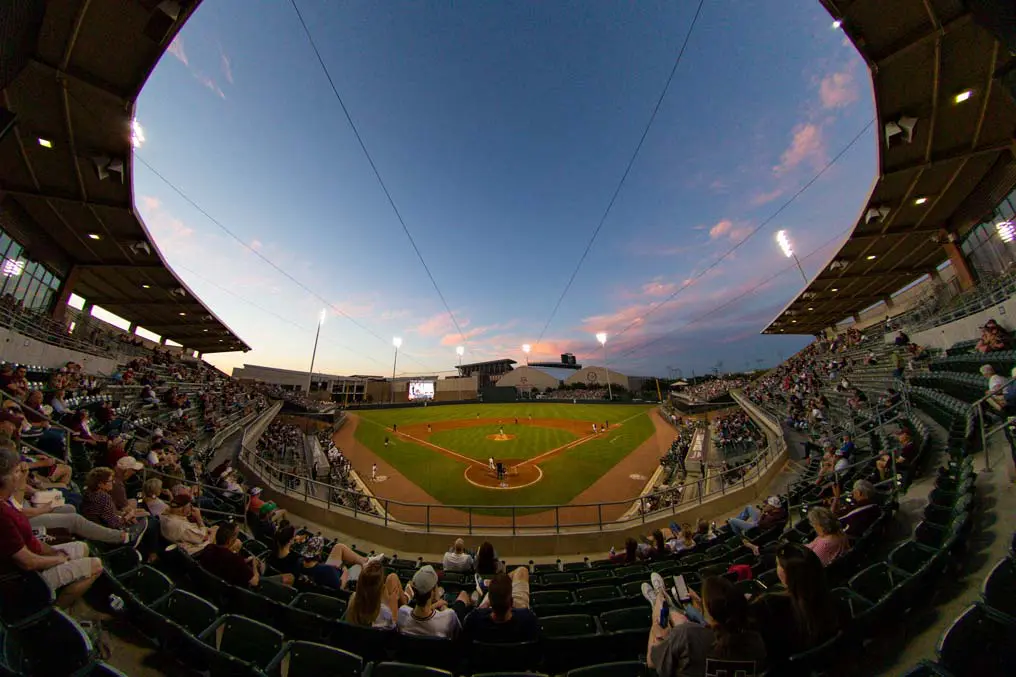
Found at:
<point>323,386</point>
<point>487,373</point>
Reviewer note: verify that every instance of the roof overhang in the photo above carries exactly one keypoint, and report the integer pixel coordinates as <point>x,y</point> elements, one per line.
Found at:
<point>957,166</point>
<point>78,91</point>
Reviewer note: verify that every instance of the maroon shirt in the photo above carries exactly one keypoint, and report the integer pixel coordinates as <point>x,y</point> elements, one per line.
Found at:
<point>15,534</point>
<point>226,564</point>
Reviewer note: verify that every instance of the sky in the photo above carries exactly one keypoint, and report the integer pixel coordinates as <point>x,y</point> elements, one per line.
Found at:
<point>501,131</point>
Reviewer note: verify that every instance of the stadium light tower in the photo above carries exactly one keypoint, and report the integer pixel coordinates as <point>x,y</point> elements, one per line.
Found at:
<point>784,240</point>
<point>602,338</point>
<point>313,354</point>
<point>397,342</point>
<point>1006,231</point>
<point>459,350</point>
<point>526,348</point>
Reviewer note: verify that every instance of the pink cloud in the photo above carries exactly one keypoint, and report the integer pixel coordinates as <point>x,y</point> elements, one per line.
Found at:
<point>720,229</point>
<point>806,145</point>
<point>658,288</point>
<point>718,186</point>
<point>438,325</point>
<point>766,197</point>
<point>227,67</point>
<point>256,244</point>
<point>838,90</point>
<point>176,49</point>
<point>150,203</point>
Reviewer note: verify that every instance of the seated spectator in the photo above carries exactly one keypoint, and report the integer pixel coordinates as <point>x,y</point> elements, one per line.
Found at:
<point>431,616</point>
<point>499,618</point>
<point>125,469</point>
<point>996,385</point>
<point>859,516</point>
<point>772,513</point>
<point>59,403</point>
<point>40,432</point>
<point>684,647</point>
<point>180,531</point>
<point>375,597</point>
<point>335,571</point>
<point>457,559</point>
<point>153,496</point>
<point>97,504</point>
<point>800,617</point>
<point>17,383</point>
<point>67,569</point>
<point>830,540</point>
<point>902,339</point>
<point>486,562</point>
<point>49,469</point>
<point>703,532</point>
<point>630,554</point>
<point>82,433</point>
<point>683,538</point>
<point>223,559</point>
<point>993,338</point>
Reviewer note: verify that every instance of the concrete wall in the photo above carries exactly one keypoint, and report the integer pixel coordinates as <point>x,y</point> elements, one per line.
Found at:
<point>15,347</point>
<point>528,378</point>
<point>964,329</point>
<point>596,377</point>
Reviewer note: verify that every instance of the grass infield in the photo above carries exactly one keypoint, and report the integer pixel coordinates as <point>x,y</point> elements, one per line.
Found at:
<point>565,475</point>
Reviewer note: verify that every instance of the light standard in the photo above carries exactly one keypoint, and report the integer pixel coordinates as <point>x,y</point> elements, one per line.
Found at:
<point>602,338</point>
<point>784,241</point>
<point>526,348</point>
<point>310,372</point>
<point>397,342</point>
<point>459,350</point>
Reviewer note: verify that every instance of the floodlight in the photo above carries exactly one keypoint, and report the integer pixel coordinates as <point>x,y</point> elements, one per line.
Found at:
<point>784,242</point>
<point>321,317</point>
<point>920,201</point>
<point>94,236</point>
<point>12,267</point>
<point>963,96</point>
<point>871,257</point>
<point>602,337</point>
<point>1006,231</point>
<point>837,24</point>
<point>397,342</point>
<point>146,286</point>
<point>460,350</point>
<point>45,143</point>
<point>526,348</point>
<point>137,134</point>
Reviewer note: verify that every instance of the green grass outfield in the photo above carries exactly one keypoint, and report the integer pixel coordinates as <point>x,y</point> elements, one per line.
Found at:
<point>529,441</point>
<point>565,476</point>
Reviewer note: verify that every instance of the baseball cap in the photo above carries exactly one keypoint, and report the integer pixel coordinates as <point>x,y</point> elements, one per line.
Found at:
<point>425,579</point>
<point>255,491</point>
<point>773,501</point>
<point>129,463</point>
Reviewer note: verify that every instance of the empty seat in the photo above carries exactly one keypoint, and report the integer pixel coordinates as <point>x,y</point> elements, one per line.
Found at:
<point>596,575</point>
<point>618,669</point>
<point>634,572</point>
<point>252,604</point>
<point>571,641</point>
<point>182,617</point>
<point>560,579</point>
<point>147,584</point>
<point>978,643</point>
<point>308,659</point>
<point>435,652</point>
<point>627,630</point>
<point>394,669</point>
<point>371,643</point>
<point>999,588</point>
<point>26,598</point>
<point>329,607</point>
<point>913,558</point>
<point>508,656</point>
<point>52,646</point>
<point>244,639</point>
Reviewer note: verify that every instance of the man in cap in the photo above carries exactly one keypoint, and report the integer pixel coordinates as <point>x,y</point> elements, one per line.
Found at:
<point>126,467</point>
<point>772,513</point>
<point>431,616</point>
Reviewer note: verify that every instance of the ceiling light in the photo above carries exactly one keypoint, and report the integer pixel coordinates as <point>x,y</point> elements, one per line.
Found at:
<point>182,314</point>
<point>870,257</point>
<point>811,309</point>
<point>794,321</point>
<point>146,286</point>
<point>835,289</point>
<point>205,330</point>
<point>963,96</point>
<point>837,24</point>
<point>94,236</point>
<point>920,201</point>
<point>1006,231</point>
<point>45,143</point>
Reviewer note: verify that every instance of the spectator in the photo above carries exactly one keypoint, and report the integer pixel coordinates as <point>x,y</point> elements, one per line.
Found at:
<point>683,647</point>
<point>487,563</point>
<point>830,541</point>
<point>59,404</point>
<point>223,559</point>
<point>499,619</point>
<point>153,497</point>
<point>40,433</point>
<point>431,616</point>
<point>98,505</point>
<point>996,385</point>
<point>801,617</point>
<point>17,383</point>
<point>902,340</point>
<point>375,597</point>
<point>179,530</point>
<point>126,467</point>
<point>772,513</point>
<point>898,363</point>
<point>993,338</point>
<point>656,548</point>
<point>457,559</point>
<point>82,433</point>
<point>67,569</point>
<point>630,554</point>
<point>859,516</point>
<point>340,565</point>
<point>683,538</point>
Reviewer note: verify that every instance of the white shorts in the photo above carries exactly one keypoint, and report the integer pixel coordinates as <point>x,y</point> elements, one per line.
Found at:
<point>78,567</point>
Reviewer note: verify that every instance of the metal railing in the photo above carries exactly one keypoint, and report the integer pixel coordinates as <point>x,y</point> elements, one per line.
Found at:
<point>515,519</point>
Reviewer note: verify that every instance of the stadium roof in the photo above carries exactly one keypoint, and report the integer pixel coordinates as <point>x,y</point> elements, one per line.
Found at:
<point>922,55</point>
<point>77,91</point>
<point>489,362</point>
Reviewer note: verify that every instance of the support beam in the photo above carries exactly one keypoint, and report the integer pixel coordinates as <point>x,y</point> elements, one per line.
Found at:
<point>964,273</point>
<point>63,294</point>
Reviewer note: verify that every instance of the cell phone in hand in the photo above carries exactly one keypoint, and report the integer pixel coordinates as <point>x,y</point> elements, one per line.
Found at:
<point>681,589</point>
<point>664,619</point>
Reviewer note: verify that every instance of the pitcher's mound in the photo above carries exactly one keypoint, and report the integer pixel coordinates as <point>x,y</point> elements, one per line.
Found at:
<point>500,438</point>
<point>518,475</point>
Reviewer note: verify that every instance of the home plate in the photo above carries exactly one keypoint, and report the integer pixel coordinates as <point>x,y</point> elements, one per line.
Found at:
<point>637,477</point>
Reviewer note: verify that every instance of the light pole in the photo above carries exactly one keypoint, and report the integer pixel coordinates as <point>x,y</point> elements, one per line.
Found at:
<point>313,355</point>
<point>397,342</point>
<point>602,338</point>
<point>784,241</point>
<point>526,348</point>
<point>459,350</point>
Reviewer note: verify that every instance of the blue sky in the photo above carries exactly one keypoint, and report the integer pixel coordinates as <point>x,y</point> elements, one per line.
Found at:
<point>501,130</point>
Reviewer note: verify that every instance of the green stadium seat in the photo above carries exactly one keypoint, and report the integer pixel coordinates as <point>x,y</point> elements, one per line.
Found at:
<point>147,584</point>
<point>927,669</point>
<point>52,646</point>
<point>914,558</point>
<point>371,643</point>
<point>818,658</point>
<point>596,599</point>
<point>978,643</point>
<point>120,562</point>
<point>308,659</point>
<point>26,598</point>
<point>513,656</point>
<point>329,607</point>
<point>103,670</point>
<point>596,576</point>
<point>618,669</point>
<point>283,594</point>
<point>572,641</point>
<point>434,652</point>
<point>882,585</point>
<point>559,580</point>
<point>628,630</point>
<point>251,604</point>
<point>635,572</point>
<point>244,639</point>
<point>183,617</point>
<point>999,588</point>
<point>394,669</point>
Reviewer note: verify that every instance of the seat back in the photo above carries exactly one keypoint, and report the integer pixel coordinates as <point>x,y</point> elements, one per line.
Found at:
<point>978,643</point>
<point>371,643</point>
<point>597,592</point>
<point>633,618</point>
<point>308,659</point>
<point>53,645</point>
<point>508,656</point>
<point>999,588</point>
<point>435,652</point>
<point>188,611</point>
<point>595,575</point>
<point>26,598</point>
<point>329,607</point>
<point>121,561</point>
<point>246,639</point>
<point>616,669</point>
<point>252,604</point>
<point>395,669</point>
<point>147,584</point>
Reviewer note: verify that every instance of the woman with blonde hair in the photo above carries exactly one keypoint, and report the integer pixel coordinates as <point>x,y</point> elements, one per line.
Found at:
<point>375,597</point>
<point>153,497</point>
<point>830,540</point>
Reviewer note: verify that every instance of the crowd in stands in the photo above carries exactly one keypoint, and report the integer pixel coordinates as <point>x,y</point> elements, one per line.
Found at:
<point>736,434</point>
<point>707,391</point>
<point>577,394</point>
